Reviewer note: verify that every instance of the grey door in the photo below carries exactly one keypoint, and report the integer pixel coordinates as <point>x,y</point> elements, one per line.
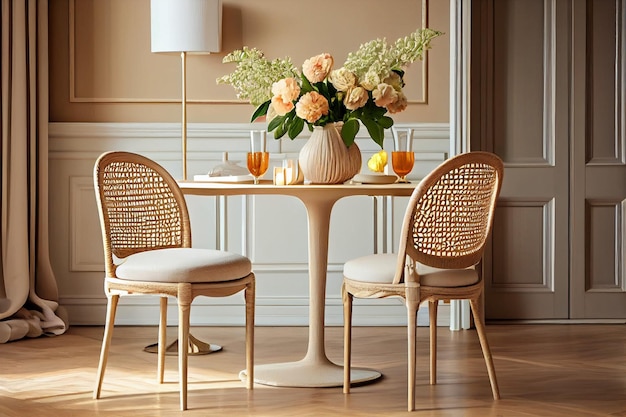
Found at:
<point>598,208</point>
<point>547,96</point>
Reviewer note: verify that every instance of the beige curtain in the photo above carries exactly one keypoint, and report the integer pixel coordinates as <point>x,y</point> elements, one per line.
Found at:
<point>28,291</point>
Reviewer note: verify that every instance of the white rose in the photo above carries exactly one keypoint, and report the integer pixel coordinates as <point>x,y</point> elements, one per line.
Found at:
<point>355,98</point>
<point>384,94</point>
<point>342,79</point>
<point>394,80</point>
<point>370,80</point>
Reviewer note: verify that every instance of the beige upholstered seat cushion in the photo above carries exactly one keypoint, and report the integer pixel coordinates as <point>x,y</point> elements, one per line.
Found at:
<point>381,268</point>
<point>184,265</point>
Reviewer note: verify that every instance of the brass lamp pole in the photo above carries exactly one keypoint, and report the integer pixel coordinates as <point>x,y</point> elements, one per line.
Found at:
<point>183,58</point>
<point>185,26</point>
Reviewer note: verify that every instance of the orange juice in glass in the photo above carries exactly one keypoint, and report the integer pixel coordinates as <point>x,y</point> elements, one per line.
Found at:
<point>258,158</point>
<point>402,156</point>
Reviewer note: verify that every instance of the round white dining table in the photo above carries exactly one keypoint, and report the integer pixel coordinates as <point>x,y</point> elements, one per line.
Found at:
<point>315,369</point>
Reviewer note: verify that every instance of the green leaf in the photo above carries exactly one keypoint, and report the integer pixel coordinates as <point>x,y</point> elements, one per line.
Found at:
<point>374,112</point>
<point>261,110</point>
<point>306,86</point>
<point>349,130</point>
<point>323,89</point>
<point>280,131</point>
<point>323,120</point>
<point>295,127</point>
<point>375,131</point>
<point>332,91</point>
<point>275,122</point>
<point>385,122</point>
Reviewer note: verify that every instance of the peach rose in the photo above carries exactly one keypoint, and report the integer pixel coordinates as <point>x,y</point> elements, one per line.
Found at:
<point>355,98</point>
<point>384,94</point>
<point>399,105</point>
<point>281,107</point>
<point>316,68</point>
<point>284,93</point>
<point>287,88</point>
<point>312,106</point>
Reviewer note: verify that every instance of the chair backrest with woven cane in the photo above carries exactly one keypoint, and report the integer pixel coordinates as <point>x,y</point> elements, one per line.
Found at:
<point>446,225</point>
<point>143,207</point>
<point>146,236</point>
<point>451,211</point>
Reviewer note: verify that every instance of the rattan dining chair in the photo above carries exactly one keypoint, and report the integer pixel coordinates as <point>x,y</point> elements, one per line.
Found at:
<point>446,224</point>
<point>146,235</point>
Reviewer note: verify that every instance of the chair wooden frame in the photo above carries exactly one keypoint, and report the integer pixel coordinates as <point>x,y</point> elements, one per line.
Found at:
<point>446,225</point>
<point>126,181</point>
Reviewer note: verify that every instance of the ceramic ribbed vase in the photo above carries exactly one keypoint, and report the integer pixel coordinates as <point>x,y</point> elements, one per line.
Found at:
<point>325,159</point>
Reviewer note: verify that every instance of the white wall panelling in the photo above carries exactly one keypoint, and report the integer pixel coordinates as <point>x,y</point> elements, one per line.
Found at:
<point>271,230</point>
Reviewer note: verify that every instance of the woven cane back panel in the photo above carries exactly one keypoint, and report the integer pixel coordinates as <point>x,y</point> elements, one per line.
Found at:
<point>452,218</point>
<point>142,211</point>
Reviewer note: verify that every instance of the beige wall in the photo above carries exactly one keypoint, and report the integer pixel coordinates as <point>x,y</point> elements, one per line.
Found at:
<point>102,70</point>
<point>103,73</point>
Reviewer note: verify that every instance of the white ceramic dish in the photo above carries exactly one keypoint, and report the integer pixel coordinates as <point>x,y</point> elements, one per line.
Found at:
<point>225,178</point>
<point>374,178</point>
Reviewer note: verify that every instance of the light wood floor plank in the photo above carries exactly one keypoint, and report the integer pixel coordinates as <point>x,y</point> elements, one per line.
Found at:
<point>543,370</point>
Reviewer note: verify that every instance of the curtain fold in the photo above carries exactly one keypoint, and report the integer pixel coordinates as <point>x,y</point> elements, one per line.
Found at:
<point>28,289</point>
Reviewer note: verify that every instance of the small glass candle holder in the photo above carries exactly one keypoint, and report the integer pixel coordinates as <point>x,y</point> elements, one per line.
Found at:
<point>288,173</point>
<point>279,176</point>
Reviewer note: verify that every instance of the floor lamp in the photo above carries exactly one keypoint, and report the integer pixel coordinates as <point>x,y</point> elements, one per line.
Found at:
<point>186,27</point>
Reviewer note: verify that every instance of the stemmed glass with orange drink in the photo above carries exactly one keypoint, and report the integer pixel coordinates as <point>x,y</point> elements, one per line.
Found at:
<point>258,157</point>
<point>402,156</point>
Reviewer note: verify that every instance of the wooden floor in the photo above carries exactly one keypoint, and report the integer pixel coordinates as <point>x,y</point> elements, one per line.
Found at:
<point>543,370</point>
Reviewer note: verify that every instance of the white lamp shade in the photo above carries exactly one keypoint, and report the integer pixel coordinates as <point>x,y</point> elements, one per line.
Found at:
<point>186,25</point>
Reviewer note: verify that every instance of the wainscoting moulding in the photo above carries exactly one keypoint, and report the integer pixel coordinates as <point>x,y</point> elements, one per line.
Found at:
<point>73,142</point>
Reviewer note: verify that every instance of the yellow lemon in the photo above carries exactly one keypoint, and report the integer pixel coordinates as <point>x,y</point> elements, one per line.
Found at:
<point>378,161</point>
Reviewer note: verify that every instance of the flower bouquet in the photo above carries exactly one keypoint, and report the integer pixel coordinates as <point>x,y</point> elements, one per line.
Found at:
<point>364,89</point>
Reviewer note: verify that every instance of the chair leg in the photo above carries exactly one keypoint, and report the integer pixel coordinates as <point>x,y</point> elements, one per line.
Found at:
<point>106,342</point>
<point>432,312</point>
<point>482,336</point>
<point>412,307</point>
<point>162,339</point>
<point>184,307</point>
<point>250,306</point>
<point>347,337</point>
